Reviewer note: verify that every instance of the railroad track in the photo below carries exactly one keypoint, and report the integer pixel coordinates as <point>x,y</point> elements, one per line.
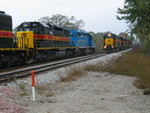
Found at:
<point>24,72</point>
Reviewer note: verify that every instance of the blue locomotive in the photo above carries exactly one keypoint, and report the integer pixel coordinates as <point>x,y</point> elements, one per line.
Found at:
<point>83,42</point>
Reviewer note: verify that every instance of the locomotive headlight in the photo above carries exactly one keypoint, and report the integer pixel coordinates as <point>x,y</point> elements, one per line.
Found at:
<point>112,46</point>
<point>105,47</point>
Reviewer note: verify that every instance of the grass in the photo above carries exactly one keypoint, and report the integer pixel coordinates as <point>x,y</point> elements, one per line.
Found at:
<point>134,63</point>
<point>73,73</point>
<point>44,89</point>
<point>22,87</point>
<point>96,67</point>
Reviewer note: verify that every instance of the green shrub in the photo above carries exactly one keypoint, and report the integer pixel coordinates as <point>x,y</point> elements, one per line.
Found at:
<point>146,46</point>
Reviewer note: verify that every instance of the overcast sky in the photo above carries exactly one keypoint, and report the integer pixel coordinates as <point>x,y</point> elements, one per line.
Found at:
<point>98,15</point>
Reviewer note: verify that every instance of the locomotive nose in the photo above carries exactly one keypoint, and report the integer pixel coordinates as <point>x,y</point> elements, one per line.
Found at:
<point>109,42</point>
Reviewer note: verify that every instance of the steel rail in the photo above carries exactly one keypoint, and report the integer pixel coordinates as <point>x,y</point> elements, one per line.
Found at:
<point>8,76</point>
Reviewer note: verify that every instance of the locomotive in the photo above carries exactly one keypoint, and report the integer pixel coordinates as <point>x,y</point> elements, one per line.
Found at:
<point>36,41</point>
<point>9,53</point>
<point>112,43</point>
<point>83,41</point>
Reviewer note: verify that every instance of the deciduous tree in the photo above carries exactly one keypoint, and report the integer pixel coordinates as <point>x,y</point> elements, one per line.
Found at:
<point>63,21</point>
<point>136,13</point>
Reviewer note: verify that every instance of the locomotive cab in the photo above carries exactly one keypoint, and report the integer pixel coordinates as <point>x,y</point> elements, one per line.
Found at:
<point>36,27</point>
<point>31,31</point>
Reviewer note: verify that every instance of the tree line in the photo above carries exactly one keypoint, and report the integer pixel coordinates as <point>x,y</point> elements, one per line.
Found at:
<point>63,21</point>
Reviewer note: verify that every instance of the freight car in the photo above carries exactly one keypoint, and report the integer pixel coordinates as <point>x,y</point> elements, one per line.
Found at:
<point>112,43</point>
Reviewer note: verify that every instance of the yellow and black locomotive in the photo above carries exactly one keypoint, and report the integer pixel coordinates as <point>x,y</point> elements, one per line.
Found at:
<point>112,43</point>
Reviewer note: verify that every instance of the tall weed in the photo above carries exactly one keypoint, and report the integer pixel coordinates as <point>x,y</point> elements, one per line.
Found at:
<point>133,63</point>
<point>73,73</point>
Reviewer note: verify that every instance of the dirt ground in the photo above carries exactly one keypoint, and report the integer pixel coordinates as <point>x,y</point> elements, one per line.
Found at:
<point>93,93</point>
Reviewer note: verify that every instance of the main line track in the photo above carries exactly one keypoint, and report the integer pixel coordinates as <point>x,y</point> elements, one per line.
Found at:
<point>24,72</point>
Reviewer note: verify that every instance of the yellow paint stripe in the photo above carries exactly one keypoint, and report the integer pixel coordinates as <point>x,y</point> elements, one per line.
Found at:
<point>56,48</point>
<point>3,49</point>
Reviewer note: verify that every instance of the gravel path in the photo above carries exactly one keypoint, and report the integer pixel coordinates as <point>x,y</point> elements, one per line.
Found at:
<point>96,92</point>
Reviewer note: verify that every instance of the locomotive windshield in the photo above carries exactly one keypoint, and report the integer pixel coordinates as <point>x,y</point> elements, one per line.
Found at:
<point>110,36</point>
<point>28,27</point>
<point>36,27</point>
